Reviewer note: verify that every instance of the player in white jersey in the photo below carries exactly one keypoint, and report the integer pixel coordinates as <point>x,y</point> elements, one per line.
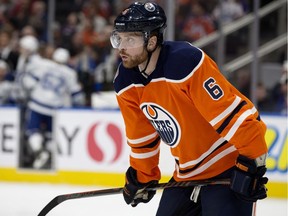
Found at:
<point>50,85</point>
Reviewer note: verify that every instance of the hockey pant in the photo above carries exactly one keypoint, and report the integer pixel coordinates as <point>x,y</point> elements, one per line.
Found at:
<point>213,200</point>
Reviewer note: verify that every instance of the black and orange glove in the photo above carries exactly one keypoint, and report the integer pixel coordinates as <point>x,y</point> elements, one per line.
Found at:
<point>247,180</point>
<point>134,192</point>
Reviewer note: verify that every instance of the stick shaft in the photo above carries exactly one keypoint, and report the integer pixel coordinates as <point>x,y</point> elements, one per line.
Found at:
<point>61,198</point>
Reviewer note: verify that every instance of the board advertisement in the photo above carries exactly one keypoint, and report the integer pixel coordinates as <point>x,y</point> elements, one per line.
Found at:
<point>89,147</point>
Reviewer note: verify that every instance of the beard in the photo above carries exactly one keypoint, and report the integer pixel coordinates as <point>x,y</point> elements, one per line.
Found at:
<point>135,60</point>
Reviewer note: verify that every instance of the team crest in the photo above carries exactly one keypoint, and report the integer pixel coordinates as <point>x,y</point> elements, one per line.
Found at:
<point>149,7</point>
<point>163,122</point>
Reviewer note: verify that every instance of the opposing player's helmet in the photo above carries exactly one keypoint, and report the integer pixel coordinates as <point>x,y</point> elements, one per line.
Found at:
<point>61,55</point>
<point>142,17</point>
<point>29,43</point>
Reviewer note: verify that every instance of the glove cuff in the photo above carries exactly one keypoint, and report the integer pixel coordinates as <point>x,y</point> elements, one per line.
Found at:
<point>250,165</point>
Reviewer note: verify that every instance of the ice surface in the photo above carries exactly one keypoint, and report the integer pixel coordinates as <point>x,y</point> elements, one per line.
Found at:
<point>23,199</point>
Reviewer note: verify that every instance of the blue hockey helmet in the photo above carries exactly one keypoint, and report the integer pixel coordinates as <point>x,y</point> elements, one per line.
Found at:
<point>142,17</point>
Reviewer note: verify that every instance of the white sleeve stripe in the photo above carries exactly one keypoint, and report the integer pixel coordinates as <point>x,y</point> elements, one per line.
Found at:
<point>206,165</point>
<point>226,112</point>
<point>145,155</point>
<point>142,139</point>
<point>239,121</point>
<point>253,110</point>
<point>213,147</point>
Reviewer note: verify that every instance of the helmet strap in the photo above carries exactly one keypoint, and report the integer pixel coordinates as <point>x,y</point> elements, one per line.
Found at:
<point>143,72</point>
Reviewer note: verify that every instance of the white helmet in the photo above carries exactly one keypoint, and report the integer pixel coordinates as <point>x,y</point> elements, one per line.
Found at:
<point>29,43</point>
<point>61,55</point>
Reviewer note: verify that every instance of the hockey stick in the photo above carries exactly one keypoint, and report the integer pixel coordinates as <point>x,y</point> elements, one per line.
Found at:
<point>61,198</point>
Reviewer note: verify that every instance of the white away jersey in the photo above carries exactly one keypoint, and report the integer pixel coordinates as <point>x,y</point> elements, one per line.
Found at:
<point>50,85</point>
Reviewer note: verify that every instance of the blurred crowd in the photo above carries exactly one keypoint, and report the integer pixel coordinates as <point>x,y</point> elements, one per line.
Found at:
<point>82,27</point>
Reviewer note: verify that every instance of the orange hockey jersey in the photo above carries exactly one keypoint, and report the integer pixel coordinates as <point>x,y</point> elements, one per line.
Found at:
<point>188,104</point>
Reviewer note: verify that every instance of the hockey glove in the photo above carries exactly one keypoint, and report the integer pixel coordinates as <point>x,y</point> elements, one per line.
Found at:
<point>134,192</point>
<point>247,180</point>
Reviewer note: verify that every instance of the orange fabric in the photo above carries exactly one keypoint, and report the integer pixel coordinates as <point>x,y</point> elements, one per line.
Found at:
<point>189,115</point>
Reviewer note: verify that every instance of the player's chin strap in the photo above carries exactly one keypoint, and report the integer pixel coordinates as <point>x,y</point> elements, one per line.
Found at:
<point>143,72</point>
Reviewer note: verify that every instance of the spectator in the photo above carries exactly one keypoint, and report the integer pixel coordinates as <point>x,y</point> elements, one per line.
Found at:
<point>6,24</point>
<point>88,33</point>
<point>228,11</point>
<point>20,12</point>
<point>6,86</point>
<point>8,52</point>
<point>279,92</point>
<point>264,102</point>
<point>28,30</point>
<point>68,30</point>
<point>38,19</point>
<point>86,64</point>
<point>46,51</point>
<point>199,24</point>
<point>105,72</point>
<point>243,82</point>
<point>4,6</point>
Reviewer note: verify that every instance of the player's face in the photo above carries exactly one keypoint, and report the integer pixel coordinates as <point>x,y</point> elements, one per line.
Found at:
<point>131,48</point>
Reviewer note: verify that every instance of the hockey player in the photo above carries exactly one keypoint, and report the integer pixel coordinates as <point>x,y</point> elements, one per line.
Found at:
<point>174,92</point>
<point>74,95</point>
<point>50,85</point>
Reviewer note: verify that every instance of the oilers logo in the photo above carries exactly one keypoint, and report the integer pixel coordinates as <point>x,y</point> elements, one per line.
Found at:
<point>163,122</point>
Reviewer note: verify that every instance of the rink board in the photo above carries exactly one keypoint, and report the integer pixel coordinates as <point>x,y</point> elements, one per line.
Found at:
<point>91,149</point>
